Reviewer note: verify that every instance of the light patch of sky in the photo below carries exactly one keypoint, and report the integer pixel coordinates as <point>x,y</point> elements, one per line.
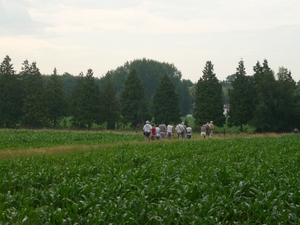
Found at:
<point>74,36</point>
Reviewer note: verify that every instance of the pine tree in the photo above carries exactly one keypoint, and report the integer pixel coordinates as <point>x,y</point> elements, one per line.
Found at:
<point>287,102</point>
<point>86,104</point>
<point>10,95</point>
<point>208,98</point>
<point>110,106</point>
<point>56,103</point>
<point>134,106</point>
<point>241,98</point>
<point>34,107</point>
<point>165,102</point>
<point>264,117</point>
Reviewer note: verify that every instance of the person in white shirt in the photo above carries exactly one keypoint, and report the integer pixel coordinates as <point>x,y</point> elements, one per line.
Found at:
<point>158,134</point>
<point>170,131</point>
<point>180,131</point>
<point>189,132</point>
<point>147,130</point>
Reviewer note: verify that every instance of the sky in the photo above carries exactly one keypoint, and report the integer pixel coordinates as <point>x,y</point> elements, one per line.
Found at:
<point>76,35</point>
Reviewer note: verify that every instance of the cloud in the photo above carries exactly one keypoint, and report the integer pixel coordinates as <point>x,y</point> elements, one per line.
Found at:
<point>15,18</point>
<point>78,34</point>
<point>144,17</point>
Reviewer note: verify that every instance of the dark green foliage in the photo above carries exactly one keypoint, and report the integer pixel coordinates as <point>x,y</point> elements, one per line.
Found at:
<point>10,95</point>
<point>165,102</point>
<point>86,101</point>
<point>264,117</point>
<point>287,102</point>
<point>185,98</point>
<point>241,98</point>
<point>110,106</point>
<point>34,104</point>
<point>275,103</point>
<point>150,72</point>
<point>208,98</point>
<point>55,96</point>
<point>133,102</point>
<point>226,86</point>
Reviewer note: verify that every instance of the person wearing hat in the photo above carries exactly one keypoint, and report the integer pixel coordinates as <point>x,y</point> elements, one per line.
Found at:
<point>147,130</point>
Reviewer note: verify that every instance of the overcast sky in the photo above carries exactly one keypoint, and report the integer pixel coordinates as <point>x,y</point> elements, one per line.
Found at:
<point>76,35</point>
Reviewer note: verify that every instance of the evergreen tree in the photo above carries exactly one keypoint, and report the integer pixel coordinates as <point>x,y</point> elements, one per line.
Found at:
<point>134,106</point>
<point>56,102</point>
<point>150,72</point>
<point>110,106</point>
<point>165,102</point>
<point>34,107</point>
<point>264,117</point>
<point>208,98</point>
<point>287,102</point>
<point>10,95</point>
<point>241,98</point>
<point>86,104</point>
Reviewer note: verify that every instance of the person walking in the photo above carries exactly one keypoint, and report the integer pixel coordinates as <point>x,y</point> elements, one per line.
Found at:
<point>157,133</point>
<point>189,132</point>
<point>170,131</point>
<point>203,131</point>
<point>212,127</point>
<point>163,130</point>
<point>180,131</point>
<point>147,130</point>
<point>153,132</point>
<point>207,129</point>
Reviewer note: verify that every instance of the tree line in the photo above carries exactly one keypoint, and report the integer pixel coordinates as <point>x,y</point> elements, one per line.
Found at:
<point>147,90</point>
<point>30,99</point>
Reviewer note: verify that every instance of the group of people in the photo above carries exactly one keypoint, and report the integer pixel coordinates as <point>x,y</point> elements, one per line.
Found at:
<point>207,129</point>
<point>153,132</point>
<point>162,131</point>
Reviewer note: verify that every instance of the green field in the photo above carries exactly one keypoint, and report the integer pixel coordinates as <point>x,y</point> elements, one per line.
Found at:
<point>115,178</point>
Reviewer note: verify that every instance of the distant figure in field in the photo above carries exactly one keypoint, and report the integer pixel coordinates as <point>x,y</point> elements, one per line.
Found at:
<point>170,131</point>
<point>153,132</point>
<point>163,130</point>
<point>158,133</point>
<point>203,131</point>
<point>296,131</point>
<point>207,129</point>
<point>180,131</point>
<point>212,127</point>
<point>189,132</point>
<point>147,130</point>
